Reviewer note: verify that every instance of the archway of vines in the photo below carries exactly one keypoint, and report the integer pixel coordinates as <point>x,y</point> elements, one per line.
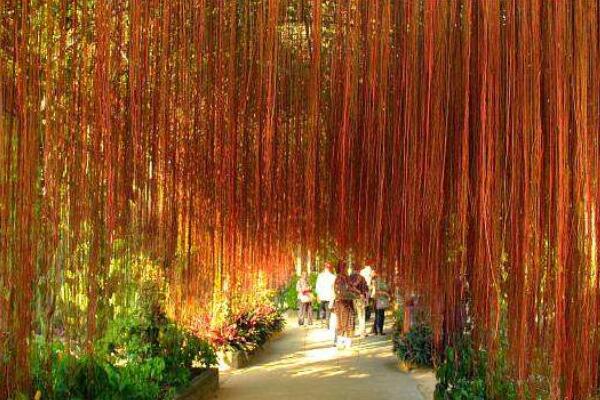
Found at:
<point>206,143</point>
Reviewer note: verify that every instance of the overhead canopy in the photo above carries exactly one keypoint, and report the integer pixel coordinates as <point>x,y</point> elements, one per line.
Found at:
<point>456,143</point>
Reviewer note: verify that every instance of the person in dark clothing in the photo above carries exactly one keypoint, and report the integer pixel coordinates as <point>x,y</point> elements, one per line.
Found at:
<point>345,294</point>
<point>359,283</point>
<point>381,297</point>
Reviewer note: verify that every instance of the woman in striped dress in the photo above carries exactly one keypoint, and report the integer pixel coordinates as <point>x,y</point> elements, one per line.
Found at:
<point>345,294</point>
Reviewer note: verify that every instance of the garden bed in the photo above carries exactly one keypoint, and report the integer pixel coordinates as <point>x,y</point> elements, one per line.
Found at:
<point>461,371</point>
<point>202,386</point>
<point>234,359</point>
<point>145,356</point>
<point>242,334</point>
<point>238,359</point>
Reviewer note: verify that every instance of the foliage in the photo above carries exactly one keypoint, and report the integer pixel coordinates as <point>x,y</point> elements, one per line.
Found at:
<point>459,376</point>
<point>415,346</point>
<point>287,297</point>
<point>465,375</point>
<point>241,299</point>
<point>227,134</point>
<point>244,331</point>
<point>398,319</point>
<point>138,358</point>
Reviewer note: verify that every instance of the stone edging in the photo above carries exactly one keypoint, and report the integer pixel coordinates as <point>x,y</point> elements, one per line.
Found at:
<point>202,387</point>
<point>240,359</point>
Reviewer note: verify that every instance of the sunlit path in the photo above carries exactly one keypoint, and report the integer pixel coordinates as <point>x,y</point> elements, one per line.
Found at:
<point>303,364</point>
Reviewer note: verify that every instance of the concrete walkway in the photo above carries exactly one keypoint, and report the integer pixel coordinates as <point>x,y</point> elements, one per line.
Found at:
<point>303,364</point>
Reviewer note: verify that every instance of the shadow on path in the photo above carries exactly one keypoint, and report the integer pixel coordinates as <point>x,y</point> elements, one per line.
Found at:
<point>303,364</point>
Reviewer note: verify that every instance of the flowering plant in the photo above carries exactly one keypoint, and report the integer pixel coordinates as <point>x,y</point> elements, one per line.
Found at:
<point>245,330</point>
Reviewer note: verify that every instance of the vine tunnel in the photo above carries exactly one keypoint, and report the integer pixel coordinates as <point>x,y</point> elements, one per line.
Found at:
<point>210,145</point>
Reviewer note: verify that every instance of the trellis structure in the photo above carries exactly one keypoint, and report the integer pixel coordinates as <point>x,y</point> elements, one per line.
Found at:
<point>455,141</point>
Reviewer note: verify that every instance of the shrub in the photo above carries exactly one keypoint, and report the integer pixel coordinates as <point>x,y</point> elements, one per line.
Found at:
<point>287,298</point>
<point>463,376</point>
<point>459,377</point>
<point>243,331</point>
<point>415,346</point>
<point>138,358</point>
<point>138,342</point>
<point>398,320</point>
<point>271,317</point>
<point>59,374</point>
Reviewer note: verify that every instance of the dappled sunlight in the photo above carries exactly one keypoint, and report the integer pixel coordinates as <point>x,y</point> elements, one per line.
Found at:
<point>303,363</point>
<point>167,168</point>
<point>358,376</point>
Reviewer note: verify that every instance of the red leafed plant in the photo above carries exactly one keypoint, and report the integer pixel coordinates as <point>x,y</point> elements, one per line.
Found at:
<point>245,330</point>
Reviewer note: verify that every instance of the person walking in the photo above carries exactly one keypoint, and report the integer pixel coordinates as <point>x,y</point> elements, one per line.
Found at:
<point>367,273</point>
<point>359,283</point>
<point>345,294</point>
<point>381,297</point>
<point>305,298</point>
<point>325,293</point>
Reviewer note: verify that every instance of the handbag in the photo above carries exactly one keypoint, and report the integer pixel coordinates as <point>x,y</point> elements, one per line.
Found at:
<point>306,297</point>
<point>383,301</point>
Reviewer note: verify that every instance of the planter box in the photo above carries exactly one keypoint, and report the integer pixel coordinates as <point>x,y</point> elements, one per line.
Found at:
<point>234,359</point>
<point>202,387</point>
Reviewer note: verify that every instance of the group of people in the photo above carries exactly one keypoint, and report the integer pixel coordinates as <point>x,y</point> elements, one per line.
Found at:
<point>346,299</point>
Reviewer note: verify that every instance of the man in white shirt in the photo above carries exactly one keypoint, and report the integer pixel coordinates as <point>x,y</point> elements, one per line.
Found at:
<point>325,292</point>
<point>367,273</point>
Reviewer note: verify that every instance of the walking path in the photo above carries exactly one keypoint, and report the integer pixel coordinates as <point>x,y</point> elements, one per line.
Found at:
<point>303,364</point>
